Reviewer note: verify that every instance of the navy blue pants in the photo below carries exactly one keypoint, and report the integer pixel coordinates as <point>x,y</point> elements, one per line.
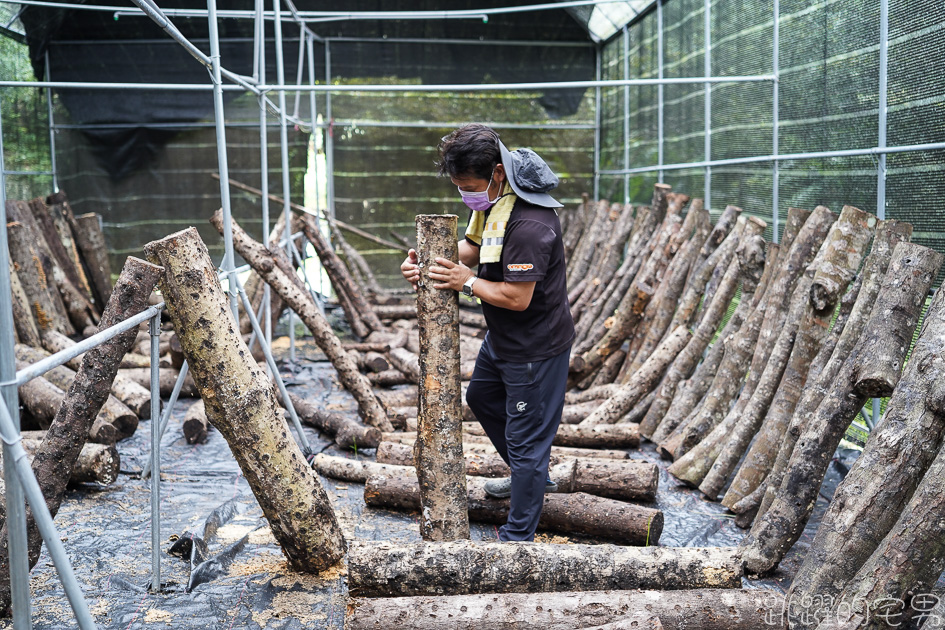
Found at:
<point>519,405</point>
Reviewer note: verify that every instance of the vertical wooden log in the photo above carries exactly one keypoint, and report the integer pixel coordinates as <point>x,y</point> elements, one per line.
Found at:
<point>91,243</point>
<point>56,458</point>
<point>438,450</point>
<point>23,321</point>
<point>44,300</point>
<point>909,276</point>
<point>241,404</point>
<point>273,266</point>
<point>54,217</point>
<point>846,247</point>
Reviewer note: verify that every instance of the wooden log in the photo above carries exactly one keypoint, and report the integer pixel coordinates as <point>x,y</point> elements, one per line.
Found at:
<point>608,371</point>
<point>347,432</point>
<point>135,396</point>
<point>241,404</point>
<point>765,326</point>
<point>485,446</point>
<point>691,391</point>
<point>887,591</point>
<point>401,397</point>
<point>623,322</point>
<point>846,247</point>
<point>599,226</point>
<point>167,377</point>
<point>407,362</point>
<point>91,243</point>
<point>599,394</point>
<point>576,513</point>
<point>44,300</point>
<point>642,382</point>
<point>725,236</point>
<point>97,463</point>
<point>622,435</point>
<point>54,461</point>
<point>195,424</point>
<point>274,268</point>
<point>385,569</point>
<point>113,411</point>
<point>888,235</point>
<point>439,447</point>
<point>576,222</point>
<point>340,277</point>
<point>57,208</point>
<point>910,274</point>
<point>23,321</point>
<point>683,365</point>
<point>596,281</point>
<point>708,609</point>
<point>663,306</point>
<point>389,378</point>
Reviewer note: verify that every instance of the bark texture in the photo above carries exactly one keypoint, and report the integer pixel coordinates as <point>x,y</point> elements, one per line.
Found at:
<point>275,269</point>
<point>347,432</point>
<point>386,569</point>
<point>91,242</point>
<point>241,404</point>
<point>438,451</point>
<point>708,609</point>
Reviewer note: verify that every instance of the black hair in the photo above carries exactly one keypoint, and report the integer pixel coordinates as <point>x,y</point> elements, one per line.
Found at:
<point>471,150</point>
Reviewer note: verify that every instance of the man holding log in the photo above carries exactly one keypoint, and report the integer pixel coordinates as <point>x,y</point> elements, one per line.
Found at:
<point>514,236</point>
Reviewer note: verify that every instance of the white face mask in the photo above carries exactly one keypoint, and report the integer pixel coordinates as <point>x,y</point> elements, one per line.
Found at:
<point>479,201</point>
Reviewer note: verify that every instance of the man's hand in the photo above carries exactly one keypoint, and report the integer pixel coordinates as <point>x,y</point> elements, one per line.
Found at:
<point>449,274</point>
<point>409,268</point>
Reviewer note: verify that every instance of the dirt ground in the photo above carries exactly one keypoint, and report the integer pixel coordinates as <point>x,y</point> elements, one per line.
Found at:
<point>107,534</point>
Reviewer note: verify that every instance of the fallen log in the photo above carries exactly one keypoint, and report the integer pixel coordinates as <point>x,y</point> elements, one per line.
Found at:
<point>888,235</point>
<point>400,397</point>
<point>485,446</point>
<point>241,404</point>
<point>57,209</point>
<point>97,463</point>
<point>406,362</point>
<point>167,377</point>
<point>641,382</point>
<point>24,324</point>
<point>622,435</point>
<point>347,432</point>
<point>128,391</point>
<point>42,400</point>
<point>195,424</point>
<point>274,268</point>
<point>909,276</point>
<point>832,273</point>
<point>385,569</point>
<point>54,461</point>
<point>113,411</point>
<point>389,378</point>
<point>898,451</point>
<point>708,609</point>
<point>628,316</point>
<point>576,513</point>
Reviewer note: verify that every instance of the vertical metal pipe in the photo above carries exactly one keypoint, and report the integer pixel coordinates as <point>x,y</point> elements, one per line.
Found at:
<point>166,414</point>
<point>154,327</point>
<point>707,71</point>
<point>264,161</point>
<point>284,152</point>
<point>44,522</point>
<point>775,132</point>
<point>626,114</point>
<point>220,125</point>
<point>313,102</point>
<point>303,37</point>
<point>597,123</point>
<point>881,140</point>
<point>15,505</point>
<point>52,129</point>
<point>329,136</point>
<point>659,88</point>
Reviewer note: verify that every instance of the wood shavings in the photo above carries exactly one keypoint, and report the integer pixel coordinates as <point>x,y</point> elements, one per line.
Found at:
<point>298,605</point>
<point>155,615</point>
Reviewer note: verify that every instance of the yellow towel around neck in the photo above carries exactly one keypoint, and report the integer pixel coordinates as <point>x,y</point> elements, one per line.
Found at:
<point>489,235</point>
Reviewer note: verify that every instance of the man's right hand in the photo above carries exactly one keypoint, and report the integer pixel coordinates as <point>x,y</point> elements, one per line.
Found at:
<point>409,268</point>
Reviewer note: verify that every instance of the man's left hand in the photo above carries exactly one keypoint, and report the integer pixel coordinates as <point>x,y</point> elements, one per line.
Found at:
<point>450,275</point>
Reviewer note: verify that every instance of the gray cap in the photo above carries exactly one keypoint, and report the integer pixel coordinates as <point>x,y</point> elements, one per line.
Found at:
<point>529,176</point>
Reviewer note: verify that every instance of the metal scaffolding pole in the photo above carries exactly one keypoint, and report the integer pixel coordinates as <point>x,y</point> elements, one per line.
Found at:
<point>775,132</point>
<point>284,153</point>
<point>626,114</point>
<point>707,114</point>
<point>881,139</point>
<point>52,130</point>
<point>15,505</point>
<point>313,104</point>
<point>154,328</point>
<point>264,165</point>
<point>597,125</point>
<point>329,137</point>
<point>659,88</point>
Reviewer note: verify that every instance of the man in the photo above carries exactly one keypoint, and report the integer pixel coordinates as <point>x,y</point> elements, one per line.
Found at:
<point>514,236</point>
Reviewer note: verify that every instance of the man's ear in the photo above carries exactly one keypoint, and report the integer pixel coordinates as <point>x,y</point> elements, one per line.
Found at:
<point>500,173</point>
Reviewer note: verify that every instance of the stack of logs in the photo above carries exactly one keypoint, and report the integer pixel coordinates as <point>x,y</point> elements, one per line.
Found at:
<point>743,361</point>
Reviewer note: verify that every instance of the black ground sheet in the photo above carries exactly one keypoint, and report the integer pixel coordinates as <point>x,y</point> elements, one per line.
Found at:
<point>220,566</point>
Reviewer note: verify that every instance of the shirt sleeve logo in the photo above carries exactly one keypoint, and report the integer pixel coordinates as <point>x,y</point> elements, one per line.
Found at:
<point>520,267</point>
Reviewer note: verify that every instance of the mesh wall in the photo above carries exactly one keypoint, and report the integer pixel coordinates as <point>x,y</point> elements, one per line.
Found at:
<point>828,65</point>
